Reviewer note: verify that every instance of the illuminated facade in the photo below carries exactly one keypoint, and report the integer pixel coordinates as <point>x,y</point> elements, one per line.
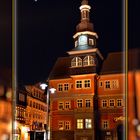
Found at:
<point>89,100</point>
<point>30,112</point>
<point>36,110</point>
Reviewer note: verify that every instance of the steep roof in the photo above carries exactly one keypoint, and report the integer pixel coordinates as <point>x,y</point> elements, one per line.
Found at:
<point>113,63</point>
<point>61,68</point>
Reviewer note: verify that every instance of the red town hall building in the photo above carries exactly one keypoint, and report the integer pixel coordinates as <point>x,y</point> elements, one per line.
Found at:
<point>89,100</point>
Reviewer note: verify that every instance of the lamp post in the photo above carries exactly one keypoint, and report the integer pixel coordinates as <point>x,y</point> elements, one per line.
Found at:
<point>47,90</point>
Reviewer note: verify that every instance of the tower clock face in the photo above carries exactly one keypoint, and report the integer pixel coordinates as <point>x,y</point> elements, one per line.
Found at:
<point>82,40</point>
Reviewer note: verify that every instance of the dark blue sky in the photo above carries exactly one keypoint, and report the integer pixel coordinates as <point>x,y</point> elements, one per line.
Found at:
<point>45,29</point>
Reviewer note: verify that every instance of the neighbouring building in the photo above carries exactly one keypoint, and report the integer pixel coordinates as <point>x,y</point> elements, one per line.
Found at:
<point>89,102</point>
<point>31,113</point>
<point>21,131</point>
<point>36,111</point>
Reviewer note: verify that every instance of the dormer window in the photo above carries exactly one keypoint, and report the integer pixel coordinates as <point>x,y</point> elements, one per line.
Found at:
<point>91,41</point>
<point>88,61</point>
<point>76,62</point>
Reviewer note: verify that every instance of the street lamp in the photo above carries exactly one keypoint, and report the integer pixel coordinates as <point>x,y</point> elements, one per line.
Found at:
<point>47,90</point>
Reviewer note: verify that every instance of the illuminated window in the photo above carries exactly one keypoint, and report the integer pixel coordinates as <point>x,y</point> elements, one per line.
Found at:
<point>88,123</point>
<point>89,61</point>
<point>91,42</point>
<point>107,85</point>
<point>79,123</point>
<point>115,84</point>
<point>66,87</point>
<point>105,124</point>
<point>87,83</point>
<point>67,125</point>
<point>76,62</point>
<point>21,97</point>
<point>61,106</point>
<point>88,103</point>
<point>111,103</point>
<point>119,102</point>
<point>60,87</point>
<point>79,84</point>
<point>104,103</point>
<point>79,103</point>
<point>67,105</point>
<point>61,125</point>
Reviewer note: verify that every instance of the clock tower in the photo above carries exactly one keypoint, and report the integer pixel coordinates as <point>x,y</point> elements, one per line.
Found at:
<point>85,57</point>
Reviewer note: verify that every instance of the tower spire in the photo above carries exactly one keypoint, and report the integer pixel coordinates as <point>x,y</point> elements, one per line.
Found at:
<point>84,2</point>
<point>85,24</point>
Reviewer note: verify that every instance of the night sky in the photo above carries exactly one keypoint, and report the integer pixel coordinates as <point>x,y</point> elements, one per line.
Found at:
<point>45,29</point>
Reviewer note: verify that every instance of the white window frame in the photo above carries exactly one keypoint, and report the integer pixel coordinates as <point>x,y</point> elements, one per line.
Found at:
<point>87,101</point>
<point>78,103</point>
<point>60,86</point>
<point>89,61</point>
<point>103,102</point>
<point>78,82</point>
<point>76,62</point>
<point>84,82</point>
<point>60,104</point>
<point>119,103</point>
<point>67,103</point>
<point>114,84</point>
<point>80,123</point>
<point>105,124</point>
<point>65,87</point>
<point>88,123</point>
<point>61,125</point>
<point>107,84</point>
<point>110,102</point>
<point>67,125</point>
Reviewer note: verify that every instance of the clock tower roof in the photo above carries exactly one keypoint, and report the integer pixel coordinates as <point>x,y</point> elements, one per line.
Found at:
<point>85,24</point>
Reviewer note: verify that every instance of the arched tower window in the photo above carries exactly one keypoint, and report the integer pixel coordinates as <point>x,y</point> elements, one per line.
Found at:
<point>76,62</point>
<point>88,61</point>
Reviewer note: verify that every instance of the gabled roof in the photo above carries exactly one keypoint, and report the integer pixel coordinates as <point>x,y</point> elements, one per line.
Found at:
<point>113,63</point>
<point>61,68</point>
